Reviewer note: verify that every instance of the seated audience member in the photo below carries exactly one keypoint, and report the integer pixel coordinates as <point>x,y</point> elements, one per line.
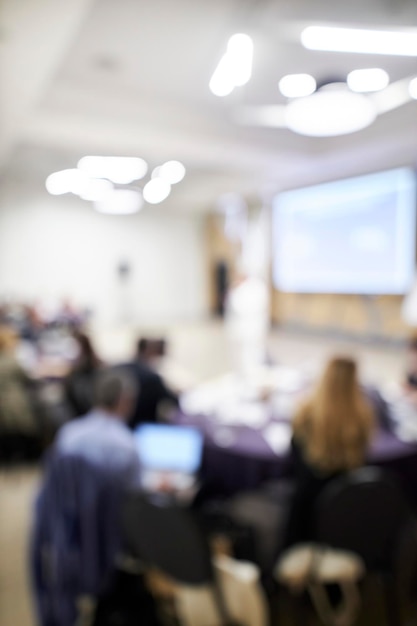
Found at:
<point>153,389</point>
<point>411,373</point>
<point>79,384</point>
<point>153,353</point>
<point>18,427</point>
<point>76,535</point>
<point>331,434</point>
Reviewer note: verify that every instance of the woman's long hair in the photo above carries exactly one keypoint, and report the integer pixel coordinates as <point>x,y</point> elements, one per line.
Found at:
<point>335,425</point>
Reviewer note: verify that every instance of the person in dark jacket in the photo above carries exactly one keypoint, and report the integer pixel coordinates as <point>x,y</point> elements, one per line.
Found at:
<point>80,382</point>
<point>153,389</point>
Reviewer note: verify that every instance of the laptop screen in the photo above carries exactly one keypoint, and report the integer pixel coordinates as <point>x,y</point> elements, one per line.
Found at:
<point>169,448</point>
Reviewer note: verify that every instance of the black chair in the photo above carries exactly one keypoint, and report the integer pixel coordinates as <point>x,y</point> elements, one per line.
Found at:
<point>166,536</point>
<point>366,512</point>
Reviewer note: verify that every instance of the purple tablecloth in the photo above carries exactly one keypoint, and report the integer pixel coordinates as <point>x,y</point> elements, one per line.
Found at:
<point>239,457</point>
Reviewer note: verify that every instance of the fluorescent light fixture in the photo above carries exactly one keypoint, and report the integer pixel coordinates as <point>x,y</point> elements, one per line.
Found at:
<point>369,80</point>
<point>235,67</point>
<point>65,181</point>
<point>172,171</point>
<point>412,88</point>
<point>297,85</point>
<point>156,190</point>
<point>334,39</point>
<point>120,202</point>
<point>120,170</point>
<point>328,113</point>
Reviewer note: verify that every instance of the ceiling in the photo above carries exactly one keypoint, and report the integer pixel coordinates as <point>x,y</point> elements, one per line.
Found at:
<point>130,77</point>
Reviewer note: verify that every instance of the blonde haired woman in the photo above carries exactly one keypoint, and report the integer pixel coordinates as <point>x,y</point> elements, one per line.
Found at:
<point>332,431</point>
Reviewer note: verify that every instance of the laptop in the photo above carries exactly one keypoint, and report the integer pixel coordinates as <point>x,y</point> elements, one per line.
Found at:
<point>170,456</point>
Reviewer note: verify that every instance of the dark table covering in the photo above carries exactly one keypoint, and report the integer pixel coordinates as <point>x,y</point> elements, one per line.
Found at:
<point>238,457</point>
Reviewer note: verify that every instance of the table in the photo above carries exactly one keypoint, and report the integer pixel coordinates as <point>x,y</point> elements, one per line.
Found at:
<point>238,456</point>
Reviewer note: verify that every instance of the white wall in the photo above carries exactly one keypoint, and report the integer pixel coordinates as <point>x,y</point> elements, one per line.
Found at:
<point>57,247</point>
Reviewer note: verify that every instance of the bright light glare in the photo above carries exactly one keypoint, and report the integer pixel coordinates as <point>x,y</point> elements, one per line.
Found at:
<point>235,66</point>
<point>120,202</point>
<point>172,171</point>
<point>297,85</point>
<point>221,83</point>
<point>390,42</point>
<point>156,190</point>
<point>240,53</point>
<point>330,113</point>
<point>95,189</point>
<point>412,88</point>
<point>120,170</point>
<point>364,81</point>
<point>65,181</point>
<point>156,171</point>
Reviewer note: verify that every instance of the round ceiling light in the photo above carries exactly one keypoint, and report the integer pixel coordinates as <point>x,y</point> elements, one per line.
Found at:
<point>156,190</point>
<point>120,202</point>
<point>331,111</point>
<point>297,85</point>
<point>172,171</point>
<point>65,181</point>
<point>95,189</point>
<point>120,170</point>
<point>368,80</point>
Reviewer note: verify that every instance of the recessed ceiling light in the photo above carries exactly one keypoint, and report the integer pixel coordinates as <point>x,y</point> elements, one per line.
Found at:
<point>328,113</point>
<point>120,170</point>
<point>120,202</point>
<point>368,80</point>
<point>156,190</point>
<point>297,85</point>
<point>412,88</point>
<point>335,39</point>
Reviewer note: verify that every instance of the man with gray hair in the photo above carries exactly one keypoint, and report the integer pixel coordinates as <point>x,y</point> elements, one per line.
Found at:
<point>77,527</point>
<point>102,436</point>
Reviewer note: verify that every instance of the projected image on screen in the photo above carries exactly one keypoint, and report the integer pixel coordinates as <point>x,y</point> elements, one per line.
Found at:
<point>351,236</point>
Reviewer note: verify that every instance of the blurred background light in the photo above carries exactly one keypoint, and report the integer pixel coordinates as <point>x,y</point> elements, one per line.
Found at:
<point>221,83</point>
<point>120,202</point>
<point>235,67</point>
<point>413,88</point>
<point>171,171</point>
<point>156,191</point>
<point>328,113</point>
<point>365,41</point>
<point>368,80</point>
<point>297,85</point>
<point>120,170</point>
<point>240,53</point>
<point>95,189</point>
<point>65,181</point>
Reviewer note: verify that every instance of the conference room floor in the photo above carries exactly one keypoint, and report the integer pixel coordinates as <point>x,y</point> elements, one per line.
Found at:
<point>200,349</point>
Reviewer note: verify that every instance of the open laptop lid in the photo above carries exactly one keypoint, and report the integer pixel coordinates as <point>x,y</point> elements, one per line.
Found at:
<point>169,448</point>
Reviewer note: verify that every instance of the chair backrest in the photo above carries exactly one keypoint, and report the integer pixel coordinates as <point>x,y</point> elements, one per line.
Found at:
<point>77,525</point>
<point>167,536</point>
<point>364,512</point>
